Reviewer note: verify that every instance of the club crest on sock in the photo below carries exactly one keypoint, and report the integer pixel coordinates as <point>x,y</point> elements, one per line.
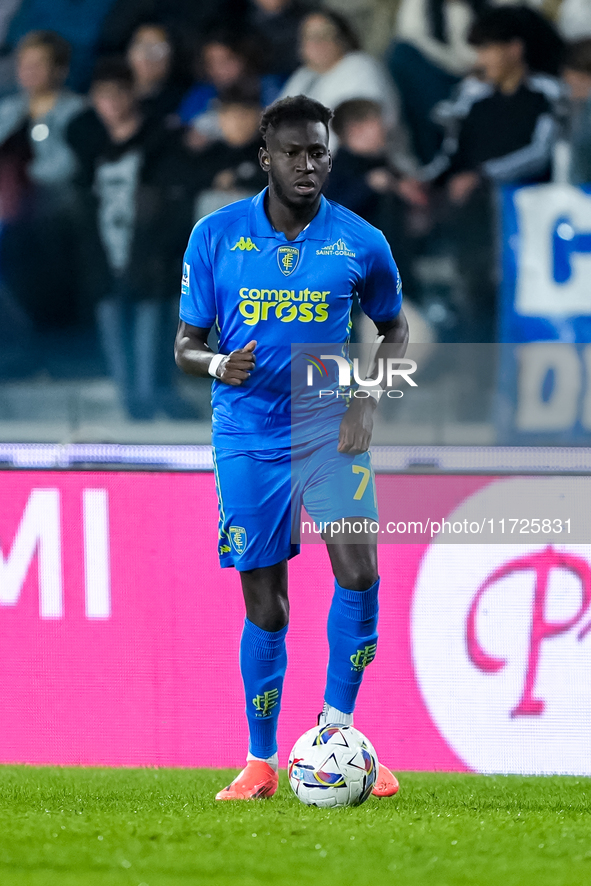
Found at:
<point>363,657</point>
<point>265,703</point>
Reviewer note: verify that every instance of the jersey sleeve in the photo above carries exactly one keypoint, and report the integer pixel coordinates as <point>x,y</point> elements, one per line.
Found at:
<point>380,289</point>
<point>197,288</point>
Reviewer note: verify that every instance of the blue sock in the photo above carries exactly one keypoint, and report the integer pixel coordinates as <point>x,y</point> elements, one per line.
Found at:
<point>352,640</point>
<point>263,660</point>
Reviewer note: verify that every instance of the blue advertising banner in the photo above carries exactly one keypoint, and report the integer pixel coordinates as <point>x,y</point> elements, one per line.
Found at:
<point>545,316</point>
<point>546,264</point>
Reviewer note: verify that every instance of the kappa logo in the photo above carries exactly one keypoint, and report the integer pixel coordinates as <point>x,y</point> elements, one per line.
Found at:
<point>245,245</point>
<point>288,258</point>
<point>238,538</point>
<point>338,248</point>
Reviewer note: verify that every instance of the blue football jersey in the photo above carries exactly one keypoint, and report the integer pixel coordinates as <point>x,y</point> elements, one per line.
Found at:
<point>254,283</point>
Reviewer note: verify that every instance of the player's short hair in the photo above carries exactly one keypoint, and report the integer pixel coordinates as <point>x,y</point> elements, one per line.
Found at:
<point>294,109</point>
<point>56,46</point>
<point>113,69</point>
<point>356,110</point>
<point>578,56</point>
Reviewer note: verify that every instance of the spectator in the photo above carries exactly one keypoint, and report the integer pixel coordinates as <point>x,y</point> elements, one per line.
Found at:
<point>77,21</point>
<point>365,178</point>
<point>429,57</point>
<point>38,161</point>
<point>135,216</point>
<point>229,169</point>
<point>432,52</point>
<point>577,75</point>
<point>502,129</point>
<point>335,69</point>
<point>43,106</point>
<point>151,59</point>
<point>224,63</point>
<point>274,23</point>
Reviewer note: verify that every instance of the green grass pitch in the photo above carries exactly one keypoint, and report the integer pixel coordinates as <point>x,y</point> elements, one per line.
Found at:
<point>162,827</point>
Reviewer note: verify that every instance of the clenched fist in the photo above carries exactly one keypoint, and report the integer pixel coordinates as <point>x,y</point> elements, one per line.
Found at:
<point>236,367</point>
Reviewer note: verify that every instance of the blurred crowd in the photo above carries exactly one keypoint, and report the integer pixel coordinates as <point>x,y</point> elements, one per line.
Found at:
<point>122,122</point>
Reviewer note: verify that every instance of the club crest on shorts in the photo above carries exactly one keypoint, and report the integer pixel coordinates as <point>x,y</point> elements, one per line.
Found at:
<point>238,538</point>
<point>288,258</point>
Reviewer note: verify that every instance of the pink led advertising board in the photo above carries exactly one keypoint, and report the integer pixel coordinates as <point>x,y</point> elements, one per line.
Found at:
<point>119,632</point>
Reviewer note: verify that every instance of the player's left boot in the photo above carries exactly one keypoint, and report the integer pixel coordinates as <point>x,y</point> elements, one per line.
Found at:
<point>256,781</point>
<point>386,784</point>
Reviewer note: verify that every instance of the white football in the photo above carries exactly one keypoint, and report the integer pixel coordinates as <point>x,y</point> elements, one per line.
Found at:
<point>332,766</point>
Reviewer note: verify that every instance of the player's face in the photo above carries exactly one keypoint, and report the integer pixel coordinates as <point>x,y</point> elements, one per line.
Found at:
<point>298,162</point>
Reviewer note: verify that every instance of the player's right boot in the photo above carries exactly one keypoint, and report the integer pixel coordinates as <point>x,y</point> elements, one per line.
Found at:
<point>257,781</point>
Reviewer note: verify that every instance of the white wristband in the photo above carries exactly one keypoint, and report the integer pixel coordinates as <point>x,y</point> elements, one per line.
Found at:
<point>214,364</point>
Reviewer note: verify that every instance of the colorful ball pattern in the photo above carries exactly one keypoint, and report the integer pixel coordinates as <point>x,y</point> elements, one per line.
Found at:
<point>332,766</point>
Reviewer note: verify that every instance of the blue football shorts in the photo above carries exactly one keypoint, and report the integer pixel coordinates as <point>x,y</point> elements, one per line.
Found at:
<point>260,496</point>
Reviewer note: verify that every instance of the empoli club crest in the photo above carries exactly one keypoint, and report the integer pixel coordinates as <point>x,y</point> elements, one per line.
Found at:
<point>238,538</point>
<point>288,258</point>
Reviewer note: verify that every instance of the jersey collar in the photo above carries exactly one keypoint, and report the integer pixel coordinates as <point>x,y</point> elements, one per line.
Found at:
<point>260,226</point>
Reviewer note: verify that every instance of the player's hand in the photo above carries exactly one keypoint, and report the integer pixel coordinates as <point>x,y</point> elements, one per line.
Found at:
<point>357,426</point>
<point>236,368</point>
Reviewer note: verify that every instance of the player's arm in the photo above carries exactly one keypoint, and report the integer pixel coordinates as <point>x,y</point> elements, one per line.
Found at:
<point>194,356</point>
<point>395,333</point>
<point>357,423</point>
